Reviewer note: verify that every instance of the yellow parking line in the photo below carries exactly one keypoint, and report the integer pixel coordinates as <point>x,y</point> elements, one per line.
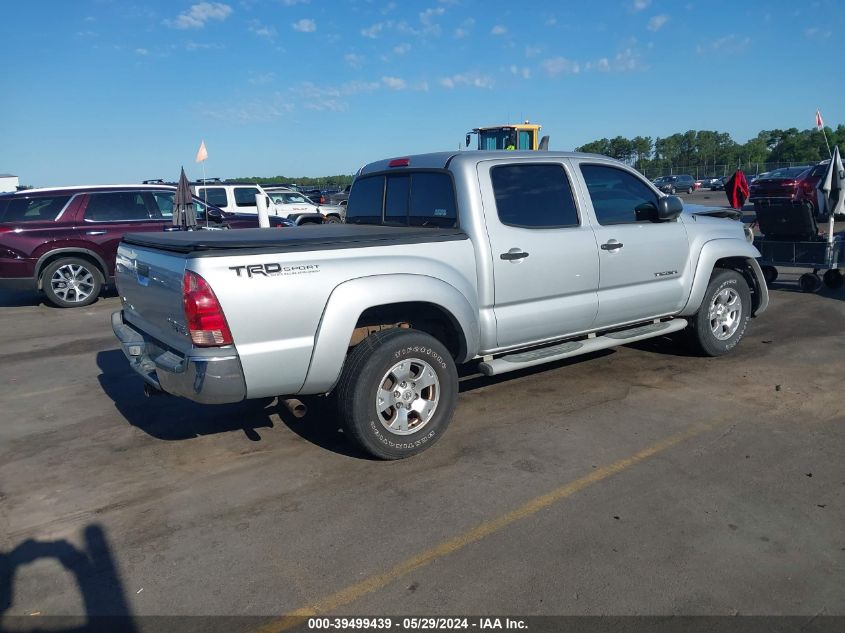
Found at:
<point>374,583</point>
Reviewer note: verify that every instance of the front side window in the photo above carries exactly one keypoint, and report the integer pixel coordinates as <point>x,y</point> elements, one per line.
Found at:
<point>618,196</point>
<point>214,195</point>
<point>44,209</point>
<point>118,206</point>
<point>245,196</point>
<point>534,196</point>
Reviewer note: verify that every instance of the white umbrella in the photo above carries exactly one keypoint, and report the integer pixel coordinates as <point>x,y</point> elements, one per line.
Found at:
<point>832,185</point>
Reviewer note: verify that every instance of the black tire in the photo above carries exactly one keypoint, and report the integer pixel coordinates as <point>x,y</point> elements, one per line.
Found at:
<point>71,282</point>
<point>373,361</point>
<point>331,219</point>
<point>671,191</point>
<point>702,328</point>
<point>689,190</point>
<point>833,279</point>
<point>770,274</point>
<point>809,282</point>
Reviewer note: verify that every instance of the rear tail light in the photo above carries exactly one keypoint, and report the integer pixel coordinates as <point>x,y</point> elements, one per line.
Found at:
<point>6,229</point>
<point>203,314</point>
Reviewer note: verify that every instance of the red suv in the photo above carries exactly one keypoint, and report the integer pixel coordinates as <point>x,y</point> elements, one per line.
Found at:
<point>64,241</point>
<point>791,184</point>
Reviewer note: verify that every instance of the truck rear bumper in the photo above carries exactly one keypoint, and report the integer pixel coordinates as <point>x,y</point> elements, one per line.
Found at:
<point>212,379</point>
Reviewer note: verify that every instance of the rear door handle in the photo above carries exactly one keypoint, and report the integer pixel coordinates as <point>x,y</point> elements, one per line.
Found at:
<point>612,245</point>
<point>513,255</point>
<point>95,232</point>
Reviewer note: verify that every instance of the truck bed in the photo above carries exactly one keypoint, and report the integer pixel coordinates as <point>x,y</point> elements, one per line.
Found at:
<point>303,238</point>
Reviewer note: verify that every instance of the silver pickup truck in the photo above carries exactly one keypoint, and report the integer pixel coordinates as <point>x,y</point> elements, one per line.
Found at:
<point>502,259</point>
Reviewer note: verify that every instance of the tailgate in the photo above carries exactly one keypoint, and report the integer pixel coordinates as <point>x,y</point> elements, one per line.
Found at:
<point>149,282</point>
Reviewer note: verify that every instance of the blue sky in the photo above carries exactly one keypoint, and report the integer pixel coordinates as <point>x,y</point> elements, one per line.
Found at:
<point>101,91</point>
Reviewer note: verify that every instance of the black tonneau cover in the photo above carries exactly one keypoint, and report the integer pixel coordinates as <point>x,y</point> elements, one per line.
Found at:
<point>300,238</point>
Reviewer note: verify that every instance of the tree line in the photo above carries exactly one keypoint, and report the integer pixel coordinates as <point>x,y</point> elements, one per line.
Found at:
<point>708,152</point>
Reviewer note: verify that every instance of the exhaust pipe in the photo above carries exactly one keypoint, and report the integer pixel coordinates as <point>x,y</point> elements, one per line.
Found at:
<point>296,407</point>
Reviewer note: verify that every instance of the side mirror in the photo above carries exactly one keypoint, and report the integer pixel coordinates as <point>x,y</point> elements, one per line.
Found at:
<point>467,140</point>
<point>669,208</point>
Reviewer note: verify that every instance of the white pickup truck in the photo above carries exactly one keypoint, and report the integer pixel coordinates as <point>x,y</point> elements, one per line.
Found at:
<point>502,259</point>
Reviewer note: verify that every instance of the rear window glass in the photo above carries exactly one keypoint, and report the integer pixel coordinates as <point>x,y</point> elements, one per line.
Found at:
<point>534,196</point>
<point>409,199</point>
<point>43,209</point>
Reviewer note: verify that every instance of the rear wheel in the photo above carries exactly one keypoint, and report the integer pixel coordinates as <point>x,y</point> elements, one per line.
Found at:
<point>833,279</point>
<point>331,219</point>
<point>71,282</point>
<point>721,320</point>
<point>689,190</point>
<point>770,274</point>
<point>397,393</point>
<point>809,282</point>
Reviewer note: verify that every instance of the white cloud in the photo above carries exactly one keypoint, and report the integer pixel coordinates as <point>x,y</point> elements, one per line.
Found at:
<point>817,34</point>
<point>657,22</point>
<point>261,78</point>
<point>190,45</point>
<point>532,51</point>
<point>561,65</point>
<point>639,5</point>
<point>394,83</point>
<point>262,30</point>
<point>199,14</point>
<point>373,31</point>
<point>523,71</point>
<point>427,16</point>
<point>473,80</point>
<point>460,33</point>
<point>290,3</point>
<point>730,44</point>
<point>304,26</point>
<point>259,111</point>
<point>354,60</point>
<point>142,51</point>
<point>402,48</point>
<point>551,21</point>
<point>498,30</point>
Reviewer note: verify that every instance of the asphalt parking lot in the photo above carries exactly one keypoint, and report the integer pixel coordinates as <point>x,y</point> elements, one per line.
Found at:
<point>638,481</point>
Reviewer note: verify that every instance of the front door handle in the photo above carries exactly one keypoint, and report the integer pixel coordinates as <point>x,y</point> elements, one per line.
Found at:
<point>95,232</point>
<point>612,245</point>
<point>513,255</point>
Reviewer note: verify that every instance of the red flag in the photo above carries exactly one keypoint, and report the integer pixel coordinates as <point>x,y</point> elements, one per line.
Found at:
<point>819,122</point>
<point>202,153</point>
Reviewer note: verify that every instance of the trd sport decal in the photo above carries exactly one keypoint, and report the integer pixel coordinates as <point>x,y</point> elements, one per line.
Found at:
<point>274,270</point>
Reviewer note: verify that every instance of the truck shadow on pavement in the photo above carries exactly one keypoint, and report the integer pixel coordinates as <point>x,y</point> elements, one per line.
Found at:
<point>96,575</point>
<point>173,419</point>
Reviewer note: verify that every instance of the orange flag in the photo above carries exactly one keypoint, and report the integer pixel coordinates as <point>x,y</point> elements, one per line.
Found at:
<point>202,153</point>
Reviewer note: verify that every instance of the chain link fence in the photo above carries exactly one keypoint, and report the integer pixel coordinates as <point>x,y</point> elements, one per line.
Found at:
<point>717,171</point>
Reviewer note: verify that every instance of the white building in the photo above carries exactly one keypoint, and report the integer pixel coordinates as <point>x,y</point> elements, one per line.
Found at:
<point>8,182</point>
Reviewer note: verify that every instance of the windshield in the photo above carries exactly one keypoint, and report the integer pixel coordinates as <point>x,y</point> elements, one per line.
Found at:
<point>495,139</point>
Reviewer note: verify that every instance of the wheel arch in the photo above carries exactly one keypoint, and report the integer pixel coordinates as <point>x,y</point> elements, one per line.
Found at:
<point>60,253</point>
<point>428,304</point>
<point>732,254</point>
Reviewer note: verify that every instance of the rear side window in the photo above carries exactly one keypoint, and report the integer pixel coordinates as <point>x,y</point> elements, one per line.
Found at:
<point>618,196</point>
<point>118,206</point>
<point>215,195</point>
<point>408,199</point>
<point>534,196</point>
<point>245,196</point>
<point>44,209</point>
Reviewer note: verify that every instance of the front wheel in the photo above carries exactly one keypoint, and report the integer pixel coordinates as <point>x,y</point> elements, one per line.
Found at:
<point>397,393</point>
<point>331,219</point>
<point>689,190</point>
<point>71,282</point>
<point>721,320</point>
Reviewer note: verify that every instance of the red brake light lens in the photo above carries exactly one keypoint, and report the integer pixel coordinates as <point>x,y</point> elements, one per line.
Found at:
<point>399,162</point>
<point>203,314</point>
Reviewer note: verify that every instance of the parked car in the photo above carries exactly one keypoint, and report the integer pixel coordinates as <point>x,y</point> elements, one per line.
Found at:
<point>293,203</point>
<point>675,184</point>
<point>340,196</point>
<point>789,184</point>
<point>381,310</point>
<point>240,198</point>
<point>718,184</point>
<point>63,241</point>
<point>808,185</point>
